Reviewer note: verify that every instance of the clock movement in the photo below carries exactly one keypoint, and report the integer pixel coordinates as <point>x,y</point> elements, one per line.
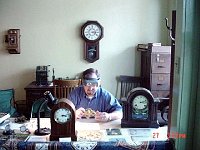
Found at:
<point>63,120</point>
<point>92,33</point>
<point>140,109</point>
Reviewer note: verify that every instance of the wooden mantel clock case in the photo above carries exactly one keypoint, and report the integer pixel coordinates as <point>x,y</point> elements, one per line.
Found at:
<point>63,119</point>
<point>140,109</point>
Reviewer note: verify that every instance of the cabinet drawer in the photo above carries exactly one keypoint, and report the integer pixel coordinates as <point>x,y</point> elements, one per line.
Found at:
<point>160,82</point>
<point>32,95</point>
<point>160,62</point>
<point>160,94</point>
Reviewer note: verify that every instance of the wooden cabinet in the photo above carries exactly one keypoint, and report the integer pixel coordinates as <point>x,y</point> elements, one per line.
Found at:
<point>35,92</point>
<point>155,69</point>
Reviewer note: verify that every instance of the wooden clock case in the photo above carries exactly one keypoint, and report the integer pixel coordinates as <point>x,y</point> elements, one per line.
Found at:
<point>66,129</point>
<point>91,51</point>
<point>13,41</point>
<point>127,120</point>
<point>91,47</point>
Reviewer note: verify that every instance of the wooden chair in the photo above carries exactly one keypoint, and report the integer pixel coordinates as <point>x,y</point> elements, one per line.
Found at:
<point>127,84</point>
<point>62,88</point>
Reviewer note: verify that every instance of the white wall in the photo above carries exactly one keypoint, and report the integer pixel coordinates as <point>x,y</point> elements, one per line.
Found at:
<point>50,34</point>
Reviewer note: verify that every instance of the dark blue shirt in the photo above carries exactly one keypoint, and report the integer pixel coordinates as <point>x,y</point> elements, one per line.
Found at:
<point>102,101</point>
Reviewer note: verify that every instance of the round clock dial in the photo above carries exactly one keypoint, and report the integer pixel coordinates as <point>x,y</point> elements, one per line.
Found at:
<point>92,32</point>
<point>23,128</point>
<point>140,102</point>
<point>62,115</point>
<point>7,127</point>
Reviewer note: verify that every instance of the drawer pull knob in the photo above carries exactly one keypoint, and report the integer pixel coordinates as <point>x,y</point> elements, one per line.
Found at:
<point>159,84</point>
<point>161,67</point>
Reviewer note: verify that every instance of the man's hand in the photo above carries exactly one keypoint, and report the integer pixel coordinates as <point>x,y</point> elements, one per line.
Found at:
<point>80,112</point>
<point>102,116</point>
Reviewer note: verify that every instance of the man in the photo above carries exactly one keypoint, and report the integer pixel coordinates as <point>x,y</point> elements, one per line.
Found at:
<point>91,95</point>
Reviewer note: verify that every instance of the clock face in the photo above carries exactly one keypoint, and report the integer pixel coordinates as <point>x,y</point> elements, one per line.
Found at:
<point>92,32</point>
<point>140,107</point>
<point>7,127</point>
<point>23,128</point>
<point>62,115</point>
<point>140,102</point>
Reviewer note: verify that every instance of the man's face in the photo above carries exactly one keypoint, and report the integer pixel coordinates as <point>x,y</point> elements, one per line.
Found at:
<point>90,88</point>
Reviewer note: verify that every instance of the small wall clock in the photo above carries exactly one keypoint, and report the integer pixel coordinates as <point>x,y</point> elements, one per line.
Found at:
<point>63,120</point>
<point>140,109</point>
<point>92,33</point>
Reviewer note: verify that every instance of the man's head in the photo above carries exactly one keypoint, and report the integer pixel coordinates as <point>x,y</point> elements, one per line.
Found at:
<point>91,81</point>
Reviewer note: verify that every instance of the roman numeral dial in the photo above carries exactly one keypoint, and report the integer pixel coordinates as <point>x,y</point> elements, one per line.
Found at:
<point>92,32</point>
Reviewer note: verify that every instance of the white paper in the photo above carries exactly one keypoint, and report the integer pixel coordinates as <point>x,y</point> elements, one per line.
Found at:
<point>66,139</point>
<point>3,117</point>
<point>34,138</point>
<point>86,126</point>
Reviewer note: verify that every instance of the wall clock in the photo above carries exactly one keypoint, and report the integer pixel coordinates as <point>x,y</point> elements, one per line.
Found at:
<point>63,120</point>
<point>140,109</point>
<point>92,33</point>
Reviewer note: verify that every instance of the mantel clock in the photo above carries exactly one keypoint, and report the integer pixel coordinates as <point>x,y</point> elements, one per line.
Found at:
<point>63,120</point>
<point>140,109</point>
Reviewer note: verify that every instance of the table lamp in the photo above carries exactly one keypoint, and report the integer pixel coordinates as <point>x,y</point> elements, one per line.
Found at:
<point>48,100</point>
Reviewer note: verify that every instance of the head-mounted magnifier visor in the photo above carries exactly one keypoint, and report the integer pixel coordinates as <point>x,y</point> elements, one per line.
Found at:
<point>91,82</point>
